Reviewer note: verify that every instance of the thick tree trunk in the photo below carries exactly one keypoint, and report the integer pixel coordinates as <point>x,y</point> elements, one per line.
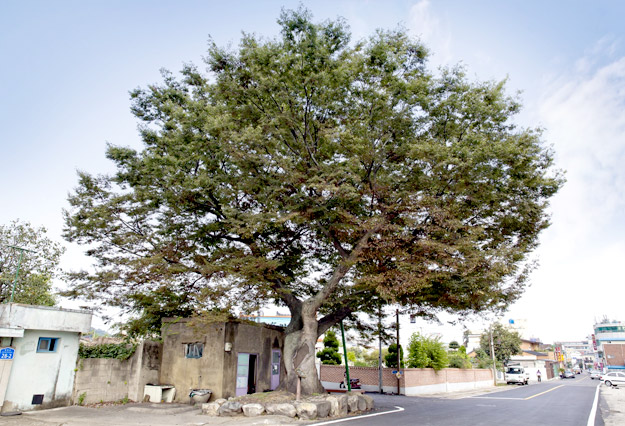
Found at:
<point>299,357</point>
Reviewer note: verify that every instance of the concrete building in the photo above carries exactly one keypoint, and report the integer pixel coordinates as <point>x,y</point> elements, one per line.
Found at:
<point>607,332</point>
<point>38,352</point>
<point>231,358</point>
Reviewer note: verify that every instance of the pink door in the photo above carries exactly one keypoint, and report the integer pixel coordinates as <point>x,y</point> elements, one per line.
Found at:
<point>275,368</point>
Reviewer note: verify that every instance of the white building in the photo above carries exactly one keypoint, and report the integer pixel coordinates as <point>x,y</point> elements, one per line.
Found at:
<point>38,352</point>
<point>607,332</point>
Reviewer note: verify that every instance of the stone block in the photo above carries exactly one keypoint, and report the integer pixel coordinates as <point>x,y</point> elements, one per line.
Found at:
<point>281,409</point>
<point>306,410</point>
<point>352,403</point>
<point>220,400</point>
<point>211,408</point>
<point>323,408</point>
<point>230,408</point>
<point>334,406</point>
<point>369,402</point>
<point>253,410</point>
<point>362,403</point>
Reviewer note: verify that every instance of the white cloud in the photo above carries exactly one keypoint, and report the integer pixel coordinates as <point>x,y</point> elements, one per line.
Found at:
<point>429,28</point>
<point>580,274</point>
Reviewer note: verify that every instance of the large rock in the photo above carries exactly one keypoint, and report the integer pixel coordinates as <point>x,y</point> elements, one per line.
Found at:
<point>362,403</point>
<point>306,410</point>
<point>220,401</point>
<point>211,408</point>
<point>369,401</point>
<point>281,409</point>
<point>230,408</point>
<point>338,405</point>
<point>323,408</point>
<point>352,403</point>
<point>253,410</point>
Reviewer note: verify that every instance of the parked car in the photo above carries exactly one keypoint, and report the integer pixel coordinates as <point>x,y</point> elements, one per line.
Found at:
<point>595,374</point>
<point>568,374</point>
<point>613,378</point>
<point>577,370</point>
<point>517,374</point>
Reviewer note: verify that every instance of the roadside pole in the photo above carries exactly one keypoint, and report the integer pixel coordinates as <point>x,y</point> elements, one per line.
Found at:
<point>17,272</point>
<point>349,382</point>
<point>380,349</point>
<point>492,354</point>
<point>398,352</point>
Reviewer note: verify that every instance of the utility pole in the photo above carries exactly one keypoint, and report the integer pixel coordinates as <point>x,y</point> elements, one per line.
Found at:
<point>398,351</point>
<point>492,354</point>
<point>347,381</point>
<point>380,348</point>
<point>17,271</point>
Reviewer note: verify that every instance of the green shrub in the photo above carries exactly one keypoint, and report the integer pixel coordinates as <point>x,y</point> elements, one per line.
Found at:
<point>121,351</point>
<point>426,352</point>
<point>81,398</point>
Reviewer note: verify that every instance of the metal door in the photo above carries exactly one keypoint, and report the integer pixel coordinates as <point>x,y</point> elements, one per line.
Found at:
<point>243,368</point>
<point>275,368</point>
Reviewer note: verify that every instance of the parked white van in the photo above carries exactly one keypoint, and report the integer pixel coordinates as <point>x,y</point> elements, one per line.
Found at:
<point>517,374</point>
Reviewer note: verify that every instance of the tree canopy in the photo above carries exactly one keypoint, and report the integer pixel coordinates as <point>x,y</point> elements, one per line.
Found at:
<point>320,174</point>
<point>38,266</point>
<point>505,341</point>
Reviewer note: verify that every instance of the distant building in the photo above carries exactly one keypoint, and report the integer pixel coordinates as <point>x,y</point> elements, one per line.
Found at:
<point>38,352</point>
<point>607,332</point>
<point>279,319</point>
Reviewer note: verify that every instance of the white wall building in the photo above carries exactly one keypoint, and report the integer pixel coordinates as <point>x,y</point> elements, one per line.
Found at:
<point>38,352</point>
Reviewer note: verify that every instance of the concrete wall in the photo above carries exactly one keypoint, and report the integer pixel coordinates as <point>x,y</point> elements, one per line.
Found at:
<point>414,381</point>
<point>14,315</point>
<point>253,339</point>
<point>216,369</point>
<point>192,373</point>
<point>108,379</point>
<point>48,373</point>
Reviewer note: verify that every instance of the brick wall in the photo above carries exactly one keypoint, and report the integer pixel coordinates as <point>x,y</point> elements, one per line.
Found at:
<point>614,353</point>
<point>413,380</point>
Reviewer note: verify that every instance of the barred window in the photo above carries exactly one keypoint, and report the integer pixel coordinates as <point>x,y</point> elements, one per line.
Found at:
<point>194,350</point>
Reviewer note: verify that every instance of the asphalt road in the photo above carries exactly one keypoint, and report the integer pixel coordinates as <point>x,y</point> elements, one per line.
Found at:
<point>559,402</point>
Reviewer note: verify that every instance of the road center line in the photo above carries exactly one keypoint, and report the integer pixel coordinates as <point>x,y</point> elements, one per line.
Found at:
<point>593,412</point>
<point>398,409</point>
<point>542,393</point>
<point>496,397</point>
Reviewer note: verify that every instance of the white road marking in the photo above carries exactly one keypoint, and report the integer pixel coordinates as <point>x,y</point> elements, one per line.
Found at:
<point>398,409</point>
<point>593,412</point>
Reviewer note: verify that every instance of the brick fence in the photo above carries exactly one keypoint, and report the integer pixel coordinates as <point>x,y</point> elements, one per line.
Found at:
<point>414,381</point>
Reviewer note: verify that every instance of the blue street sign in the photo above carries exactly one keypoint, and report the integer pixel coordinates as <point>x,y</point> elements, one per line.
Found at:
<point>394,371</point>
<point>7,353</point>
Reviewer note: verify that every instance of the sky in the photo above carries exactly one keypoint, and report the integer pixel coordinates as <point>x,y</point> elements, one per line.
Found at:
<point>66,69</point>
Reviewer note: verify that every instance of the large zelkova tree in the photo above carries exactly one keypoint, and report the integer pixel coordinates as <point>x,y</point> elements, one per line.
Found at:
<point>322,175</point>
<point>39,264</point>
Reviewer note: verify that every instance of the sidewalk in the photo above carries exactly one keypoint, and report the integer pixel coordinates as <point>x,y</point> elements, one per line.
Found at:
<point>136,414</point>
<point>612,405</point>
